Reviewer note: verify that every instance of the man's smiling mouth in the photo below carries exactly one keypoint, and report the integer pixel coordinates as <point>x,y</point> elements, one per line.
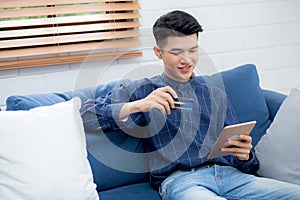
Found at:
<point>185,69</point>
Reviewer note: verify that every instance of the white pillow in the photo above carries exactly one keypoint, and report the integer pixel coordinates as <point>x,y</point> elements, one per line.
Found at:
<point>43,154</point>
<point>278,150</point>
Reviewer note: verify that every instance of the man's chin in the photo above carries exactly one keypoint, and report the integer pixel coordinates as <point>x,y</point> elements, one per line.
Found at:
<point>186,77</point>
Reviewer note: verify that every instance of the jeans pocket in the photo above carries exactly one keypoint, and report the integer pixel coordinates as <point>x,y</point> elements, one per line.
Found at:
<point>163,190</point>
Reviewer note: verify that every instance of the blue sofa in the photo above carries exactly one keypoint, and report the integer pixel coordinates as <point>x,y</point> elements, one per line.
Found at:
<point>119,168</point>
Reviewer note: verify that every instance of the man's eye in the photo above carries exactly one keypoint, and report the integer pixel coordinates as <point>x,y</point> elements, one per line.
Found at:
<point>193,50</point>
<point>176,53</point>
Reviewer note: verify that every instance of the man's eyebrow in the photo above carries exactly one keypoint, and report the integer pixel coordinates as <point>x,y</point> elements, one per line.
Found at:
<point>176,49</point>
<point>179,49</point>
<point>195,47</point>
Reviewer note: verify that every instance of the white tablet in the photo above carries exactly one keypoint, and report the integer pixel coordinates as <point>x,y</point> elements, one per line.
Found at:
<point>228,132</point>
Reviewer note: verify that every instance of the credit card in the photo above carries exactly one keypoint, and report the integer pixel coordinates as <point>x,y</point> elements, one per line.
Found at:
<point>184,104</point>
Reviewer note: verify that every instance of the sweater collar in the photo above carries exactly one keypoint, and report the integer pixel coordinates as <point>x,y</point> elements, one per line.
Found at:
<point>174,83</point>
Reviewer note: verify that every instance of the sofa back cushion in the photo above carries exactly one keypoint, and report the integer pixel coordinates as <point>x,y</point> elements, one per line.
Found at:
<point>116,159</point>
<point>26,102</point>
<point>245,94</point>
<point>274,100</point>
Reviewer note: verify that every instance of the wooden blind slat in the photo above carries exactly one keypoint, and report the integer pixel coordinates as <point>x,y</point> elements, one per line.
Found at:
<point>38,51</point>
<point>67,59</point>
<point>68,29</point>
<point>26,3</point>
<point>69,19</point>
<point>68,38</point>
<point>68,9</point>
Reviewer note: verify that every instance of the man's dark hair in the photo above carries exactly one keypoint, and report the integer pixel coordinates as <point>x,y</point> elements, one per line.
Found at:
<point>175,23</point>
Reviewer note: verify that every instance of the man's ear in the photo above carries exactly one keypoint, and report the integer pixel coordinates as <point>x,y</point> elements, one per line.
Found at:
<point>157,51</point>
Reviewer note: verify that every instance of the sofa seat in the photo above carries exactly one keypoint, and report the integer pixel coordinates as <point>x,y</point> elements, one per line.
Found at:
<point>142,191</point>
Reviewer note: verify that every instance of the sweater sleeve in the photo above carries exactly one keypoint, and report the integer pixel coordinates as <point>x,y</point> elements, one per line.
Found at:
<point>102,113</point>
<point>250,166</point>
<point>97,114</point>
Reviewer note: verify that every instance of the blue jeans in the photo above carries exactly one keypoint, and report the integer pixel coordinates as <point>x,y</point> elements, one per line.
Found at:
<point>224,182</point>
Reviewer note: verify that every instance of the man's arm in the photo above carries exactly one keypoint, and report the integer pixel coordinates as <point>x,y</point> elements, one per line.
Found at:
<point>104,112</point>
<point>161,98</point>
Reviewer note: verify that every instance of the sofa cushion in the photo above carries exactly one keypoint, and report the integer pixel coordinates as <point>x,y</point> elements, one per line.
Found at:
<point>43,154</point>
<point>117,159</point>
<point>26,102</point>
<point>278,151</point>
<point>274,101</point>
<point>142,191</point>
<point>246,96</point>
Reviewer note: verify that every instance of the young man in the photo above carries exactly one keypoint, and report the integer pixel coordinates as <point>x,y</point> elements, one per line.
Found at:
<point>177,139</point>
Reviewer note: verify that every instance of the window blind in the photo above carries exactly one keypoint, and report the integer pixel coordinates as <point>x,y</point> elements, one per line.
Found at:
<point>38,33</point>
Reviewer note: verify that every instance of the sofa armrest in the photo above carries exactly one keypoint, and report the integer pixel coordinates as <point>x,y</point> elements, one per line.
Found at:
<point>274,101</point>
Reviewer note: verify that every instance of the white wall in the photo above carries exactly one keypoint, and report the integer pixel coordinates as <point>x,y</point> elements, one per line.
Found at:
<point>263,32</point>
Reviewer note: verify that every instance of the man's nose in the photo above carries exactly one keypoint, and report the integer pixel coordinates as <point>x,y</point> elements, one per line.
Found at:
<point>185,58</point>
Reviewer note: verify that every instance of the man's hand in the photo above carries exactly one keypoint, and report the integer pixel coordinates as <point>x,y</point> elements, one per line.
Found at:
<point>161,98</point>
<point>239,147</point>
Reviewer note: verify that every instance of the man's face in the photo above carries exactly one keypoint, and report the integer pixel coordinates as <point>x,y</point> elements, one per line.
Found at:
<point>180,56</point>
